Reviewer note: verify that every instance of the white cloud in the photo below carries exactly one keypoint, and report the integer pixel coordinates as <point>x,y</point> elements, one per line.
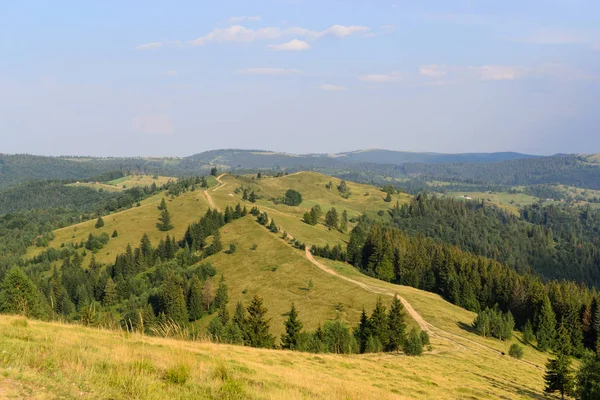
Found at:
<point>268,71</point>
<point>149,46</point>
<point>153,124</point>
<point>498,72</point>
<point>432,71</point>
<point>241,34</point>
<point>235,20</point>
<point>331,88</point>
<point>382,78</point>
<point>292,45</point>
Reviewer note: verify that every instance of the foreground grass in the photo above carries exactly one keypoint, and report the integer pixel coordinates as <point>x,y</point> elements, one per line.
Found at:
<point>50,360</point>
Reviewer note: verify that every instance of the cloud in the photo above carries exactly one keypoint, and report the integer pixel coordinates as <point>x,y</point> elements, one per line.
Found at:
<point>498,72</point>
<point>432,71</point>
<point>552,37</point>
<point>241,34</point>
<point>268,71</point>
<point>149,46</point>
<point>331,88</point>
<point>159,124</point>
<point>235,20</point>
<point>292,45</point>
<point>382,78</point>
<point>170,73</point>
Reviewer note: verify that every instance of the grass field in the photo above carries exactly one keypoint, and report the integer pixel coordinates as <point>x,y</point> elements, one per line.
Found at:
<point>508,201</point>
<point>126,182</point>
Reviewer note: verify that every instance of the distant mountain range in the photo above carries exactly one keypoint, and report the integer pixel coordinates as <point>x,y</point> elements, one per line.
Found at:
<point>368,166</point>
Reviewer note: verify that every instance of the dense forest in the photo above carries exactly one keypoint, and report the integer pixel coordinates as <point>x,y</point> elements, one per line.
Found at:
<point>556,241</point>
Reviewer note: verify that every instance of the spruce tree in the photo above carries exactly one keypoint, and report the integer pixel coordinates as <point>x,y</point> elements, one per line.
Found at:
<point>344,221</point>
<point>331,218</point>
<point>163,205</point>
<point>257,325</point>
<point>99,223</point>
<point>546,327</point>
<point>379,323</point>
<point>388,198</point>
<point>362,333</point>
<point>252,197</point>
<point>19,295</point>
<point>528,335</point>
<point>221,295</point>
<point>588,378</point>
<point>413,345</point>
<point>110,296</point>
<point>558,376</point>
<point>194,303</point>
<point>273,226</point>
<point>293,326</point>
<point>239,317</point>
<point>164,221</point>
<point>173,301</point>
<point>397,325</point>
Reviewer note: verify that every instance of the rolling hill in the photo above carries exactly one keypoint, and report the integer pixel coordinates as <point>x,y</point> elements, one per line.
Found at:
<point>51,359</point>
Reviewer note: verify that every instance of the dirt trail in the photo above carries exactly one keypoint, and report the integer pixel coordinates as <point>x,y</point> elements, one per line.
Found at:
<point>424,325</point>
<point>209,198</point>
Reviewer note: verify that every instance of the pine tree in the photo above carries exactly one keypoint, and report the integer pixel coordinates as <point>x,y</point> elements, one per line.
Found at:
<point>245,195</point>
<point>331,218</point>
<point>558,376</point>
<point>115,234</point>
<point>194,303</point>
<point>362,333</point>
<point>379,323</point>
<point>252,197</point>
<point>163,205</point>
<point>293,326</point>
<point>388,198</point>
<point>528,335</point>
<point>19,295</point>
<point>257,326</point>
<point>546,327</point>
<point>413,345</point>
<point>221,295</point>
<point>99,223</point>
<point>164,221</point>
<point>173,301</point>
<point>344,221</point>
<point>110,296</point>
<point>273,226</point>
<point>239,317</point>
<point>588,378</point>
<point>397,325</point>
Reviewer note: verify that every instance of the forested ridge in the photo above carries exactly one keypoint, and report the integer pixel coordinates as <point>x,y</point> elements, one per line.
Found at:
<point>555,241</point>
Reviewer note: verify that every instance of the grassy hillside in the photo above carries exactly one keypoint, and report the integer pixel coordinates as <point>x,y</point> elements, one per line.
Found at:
<point>126,182</point>
<point>53,360</point>
<point>50,360</point>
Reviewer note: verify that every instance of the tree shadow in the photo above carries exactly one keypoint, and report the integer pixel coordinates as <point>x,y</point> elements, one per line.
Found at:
<point>466,327</point>
<point>519,390</point>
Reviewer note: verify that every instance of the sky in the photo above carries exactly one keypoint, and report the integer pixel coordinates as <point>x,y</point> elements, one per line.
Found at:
<point>175,78</point>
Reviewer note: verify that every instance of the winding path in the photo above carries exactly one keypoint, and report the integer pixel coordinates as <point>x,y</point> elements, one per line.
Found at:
<point>208,196</point>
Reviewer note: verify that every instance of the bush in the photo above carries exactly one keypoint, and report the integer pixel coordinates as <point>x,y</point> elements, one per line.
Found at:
<point>178,374</point>
<point>516,351</point>
<point>232,248</point>
<point>425,338</point>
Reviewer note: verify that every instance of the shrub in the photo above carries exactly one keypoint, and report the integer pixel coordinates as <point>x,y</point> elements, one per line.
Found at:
<point>425,338</point>
<point>179,374</point>
<point>232,248</point>
<point>516,351</point>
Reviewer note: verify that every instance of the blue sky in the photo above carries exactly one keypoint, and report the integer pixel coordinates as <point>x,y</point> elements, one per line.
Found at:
<point>128,78</point>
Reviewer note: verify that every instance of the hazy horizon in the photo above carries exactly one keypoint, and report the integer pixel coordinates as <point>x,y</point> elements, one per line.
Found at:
<point>160,78</point>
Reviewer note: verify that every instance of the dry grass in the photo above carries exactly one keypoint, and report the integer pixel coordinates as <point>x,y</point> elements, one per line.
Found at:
<point>50,360</point>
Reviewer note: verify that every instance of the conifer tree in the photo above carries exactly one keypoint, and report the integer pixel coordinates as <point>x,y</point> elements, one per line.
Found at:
<point>163,205</point>
<point>173,301</point>
<point>194,303</point>
<point>293,326</point>
<point>164,221</point>
<point>397,325</point>
<point>245,195</point>
<point>588,378</point>
<point>19,295</point>
<point>362,333</point>
<point>344,221</point>
<point>331,218</point>
<point>388,198</point>
<point>558,376</point>
<point>273,226</point>
<point>379,323</point>
<point>413,345</point>
<point>115,234</point>
<point>252,197</point>
<point>257,326</point>
<point>99,223</point>
<point>546,327</point>
<point>221,295</point>
<point>239,316</point>
<point>109,297</point>
<point>528,335</point>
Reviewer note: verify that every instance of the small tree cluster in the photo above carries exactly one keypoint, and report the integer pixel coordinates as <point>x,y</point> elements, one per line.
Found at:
<point>312,217</point>
<point>292,198</point>
<point>493,322</point>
